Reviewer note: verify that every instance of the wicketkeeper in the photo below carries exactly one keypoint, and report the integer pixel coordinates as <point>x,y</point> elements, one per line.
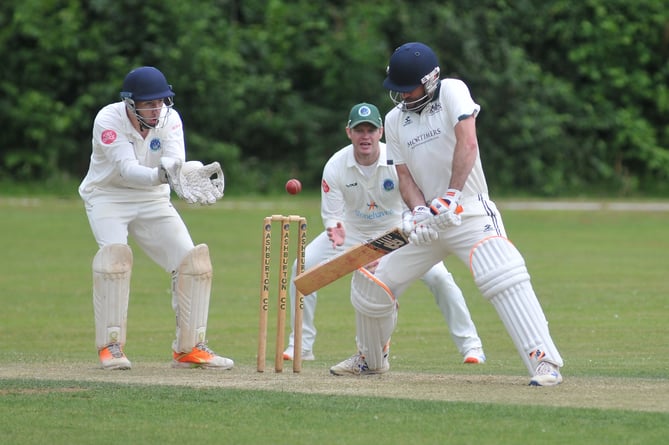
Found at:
<point>138,157</point>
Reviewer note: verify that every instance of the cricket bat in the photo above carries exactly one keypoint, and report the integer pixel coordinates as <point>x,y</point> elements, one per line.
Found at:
<point>346,262</point>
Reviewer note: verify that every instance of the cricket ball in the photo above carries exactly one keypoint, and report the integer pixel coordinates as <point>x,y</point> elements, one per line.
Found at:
<point>293,186</point>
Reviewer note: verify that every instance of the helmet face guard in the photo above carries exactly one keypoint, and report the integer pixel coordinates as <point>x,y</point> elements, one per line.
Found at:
<point>165,107</point>
<point>412,65</point>
<point>145,84</point>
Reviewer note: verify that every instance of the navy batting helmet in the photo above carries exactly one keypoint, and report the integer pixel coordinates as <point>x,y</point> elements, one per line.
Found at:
<point>146,83</point>
<point>411,65</point>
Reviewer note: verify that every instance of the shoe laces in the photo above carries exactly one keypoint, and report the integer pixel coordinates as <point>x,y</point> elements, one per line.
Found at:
<point>204,348</point>
<point>358,361</point>
<point>115,350</point>
<point>545,368</point>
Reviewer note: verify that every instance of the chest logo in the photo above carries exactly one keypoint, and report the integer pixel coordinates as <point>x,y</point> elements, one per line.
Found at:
<point>435,107</point>
<point>388,185</point>
<point>154,145</point>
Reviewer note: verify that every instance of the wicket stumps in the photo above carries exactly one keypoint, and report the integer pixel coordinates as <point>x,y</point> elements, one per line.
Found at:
<point>283,283</point>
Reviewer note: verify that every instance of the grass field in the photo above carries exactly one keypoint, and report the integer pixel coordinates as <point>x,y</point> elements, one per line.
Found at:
<point>600,275</point>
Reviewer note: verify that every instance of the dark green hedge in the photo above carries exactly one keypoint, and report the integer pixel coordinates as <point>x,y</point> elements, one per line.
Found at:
<point>575,94</point>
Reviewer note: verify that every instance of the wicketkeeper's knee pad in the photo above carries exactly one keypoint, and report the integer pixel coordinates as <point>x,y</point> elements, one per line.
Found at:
<point>376,316</point>
<point>112,266</point>
<point>501,275</point>
<point>191,290</point>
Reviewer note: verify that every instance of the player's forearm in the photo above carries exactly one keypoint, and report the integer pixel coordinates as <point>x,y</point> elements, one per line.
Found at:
<point>136,175</point>
<point>465,153</point>
<point>411,194</point>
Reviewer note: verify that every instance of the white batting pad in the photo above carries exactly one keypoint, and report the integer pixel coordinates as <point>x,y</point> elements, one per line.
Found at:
<point>112,266</point>
<point>191,289</point>
<point>501,276</point>
<point>376,316</point>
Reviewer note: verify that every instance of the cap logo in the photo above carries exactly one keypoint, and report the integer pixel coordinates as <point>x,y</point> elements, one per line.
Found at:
<point>364,111</point>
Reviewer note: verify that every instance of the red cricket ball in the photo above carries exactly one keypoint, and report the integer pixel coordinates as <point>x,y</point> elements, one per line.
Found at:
<point>293,186</point>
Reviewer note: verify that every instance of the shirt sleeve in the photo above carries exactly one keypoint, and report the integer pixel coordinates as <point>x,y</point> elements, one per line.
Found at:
<point>332,198</point>
<point>392,140</point>
<point>458,101</point>
<point>119,152</point>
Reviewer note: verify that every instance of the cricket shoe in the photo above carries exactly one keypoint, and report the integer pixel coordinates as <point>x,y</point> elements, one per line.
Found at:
<point>475,356</point>
<point>201,357</point>
<point>356,365</point>
<point>112,357</point>
<point>306,355</point>
<point>546,374</point>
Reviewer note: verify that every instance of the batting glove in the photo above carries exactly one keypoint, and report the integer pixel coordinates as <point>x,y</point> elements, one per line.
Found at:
<point>446,209</point>
<point>421,233</point>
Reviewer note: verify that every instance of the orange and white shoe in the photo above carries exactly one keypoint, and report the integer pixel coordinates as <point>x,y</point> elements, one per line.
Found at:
<point>201,357</point>
<point>474,356</point>
<point>112,357</point>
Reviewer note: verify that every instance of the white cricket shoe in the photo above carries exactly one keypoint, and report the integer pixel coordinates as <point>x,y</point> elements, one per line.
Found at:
<point>200,357</point>
<point>356,365</point>
<point>290,351</point>
<point>474,356</point>
<point>112,357</point>
<point>546,374</point>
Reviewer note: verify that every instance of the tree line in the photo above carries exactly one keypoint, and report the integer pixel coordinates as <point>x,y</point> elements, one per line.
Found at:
<point>574,95</point>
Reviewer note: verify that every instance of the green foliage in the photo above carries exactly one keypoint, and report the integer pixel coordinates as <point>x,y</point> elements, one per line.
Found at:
<point>574,95</point>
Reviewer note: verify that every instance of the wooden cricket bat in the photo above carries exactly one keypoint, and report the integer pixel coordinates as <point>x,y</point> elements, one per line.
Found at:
<point>346,262</point>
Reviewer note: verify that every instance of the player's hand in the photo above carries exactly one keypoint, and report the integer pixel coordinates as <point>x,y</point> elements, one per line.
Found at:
<point>170,171</point>
<point>205,182</point>
<point>421,233</point>
<point>192,181</point>
<point>336,234</point>
<point>446,209</point>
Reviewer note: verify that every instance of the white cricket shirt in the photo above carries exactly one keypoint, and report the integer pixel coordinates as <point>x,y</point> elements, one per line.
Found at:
<point>425,141</point>
<point>123,165</point>
<point>367,205</point>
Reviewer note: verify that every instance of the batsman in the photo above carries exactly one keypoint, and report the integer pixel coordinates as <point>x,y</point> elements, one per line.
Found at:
<point>431,138</point>
<point>138,158</point>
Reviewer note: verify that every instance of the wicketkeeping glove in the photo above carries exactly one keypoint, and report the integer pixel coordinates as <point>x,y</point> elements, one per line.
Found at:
<point>192,181</point>
<point>170,172</point>
<point>206,182</point>
<point>446,209</point>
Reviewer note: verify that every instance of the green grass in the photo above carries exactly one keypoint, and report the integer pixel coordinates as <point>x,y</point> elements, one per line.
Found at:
<point>71,412</point>
<point>601,278</point>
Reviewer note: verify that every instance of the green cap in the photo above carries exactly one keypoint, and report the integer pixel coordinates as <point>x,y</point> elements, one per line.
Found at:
<point>364,112</point>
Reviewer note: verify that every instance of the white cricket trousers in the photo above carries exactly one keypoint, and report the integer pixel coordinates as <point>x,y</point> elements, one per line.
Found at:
<point>438,279</point>
<point>154,225</point>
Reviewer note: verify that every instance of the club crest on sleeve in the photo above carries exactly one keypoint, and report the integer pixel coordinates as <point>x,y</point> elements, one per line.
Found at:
<point>155,144</point>
<point>325,186</point>
<point>108,137</point>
